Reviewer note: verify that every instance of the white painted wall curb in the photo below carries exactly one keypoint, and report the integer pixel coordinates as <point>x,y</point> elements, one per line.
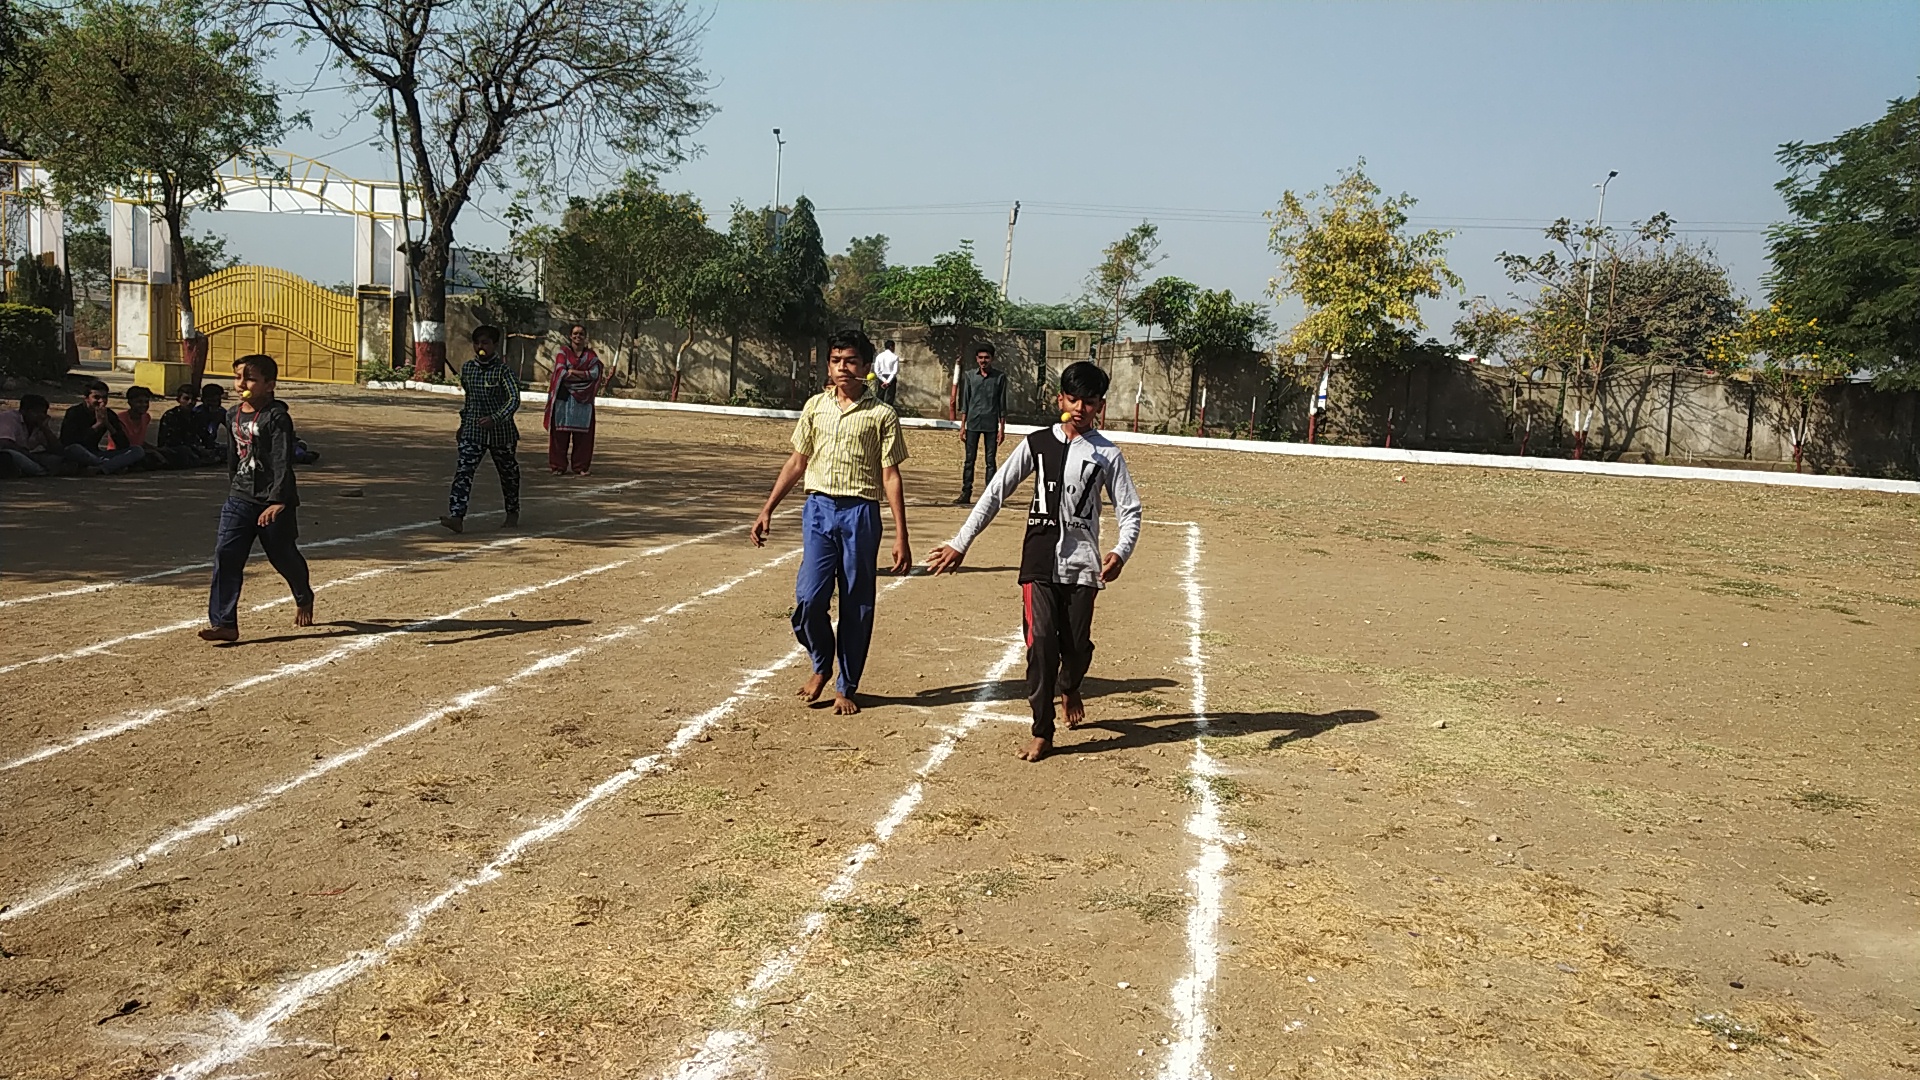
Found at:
<point>1295,449</point>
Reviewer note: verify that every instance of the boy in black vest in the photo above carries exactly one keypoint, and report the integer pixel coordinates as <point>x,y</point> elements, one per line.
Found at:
<point>1061,568</point>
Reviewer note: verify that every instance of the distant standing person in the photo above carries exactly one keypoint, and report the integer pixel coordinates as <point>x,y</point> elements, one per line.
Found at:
<point>886,369</point>
<point>983,415</point>
<point>577,377</point>
<point>261,500</point>
<point>486,427</point>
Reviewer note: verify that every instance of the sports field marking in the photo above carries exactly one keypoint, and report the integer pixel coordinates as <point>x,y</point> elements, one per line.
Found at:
<point>245,1037</point>
<point>356,578</point>
<point>221,818</point>
<point>186,568</point>
<point>357,645</point>
<point>1186,1053</point>
<point>722,1052</point>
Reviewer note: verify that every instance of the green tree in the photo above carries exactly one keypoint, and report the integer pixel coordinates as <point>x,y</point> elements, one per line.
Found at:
<point>1654,301</point>
<point>1122,265</point>
<point>1068,315</point>
<point>952,290</point>
<point>800,262</point>
<point>208,254</point>
<point>853,278</point>
<point>1216,328</point>
<point>476,86</point>
<point>89,260</point>
<point>1163,303</point>
<point>1349,257</point>
<point>620,254</point>
<point>724,285</point>
<point>1849,257</point>
<point>146,101</point>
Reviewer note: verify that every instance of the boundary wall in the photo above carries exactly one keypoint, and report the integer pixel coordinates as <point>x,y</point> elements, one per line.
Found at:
<point>1295,449</point>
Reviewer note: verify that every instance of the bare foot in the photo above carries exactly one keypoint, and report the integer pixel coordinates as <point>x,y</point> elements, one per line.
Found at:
<point>558,472</point>
<point>303,616</point>
<point>1074,709</point>
<point>844,705</point>
<point>511,521</point>
<point>454,524</point>
<point>584,472</point>
<point>1035,750</point>
<point>220,633</point>
<point>810,692</point>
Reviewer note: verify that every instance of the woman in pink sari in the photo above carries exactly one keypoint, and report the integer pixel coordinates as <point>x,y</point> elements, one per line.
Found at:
<point>577,374</point>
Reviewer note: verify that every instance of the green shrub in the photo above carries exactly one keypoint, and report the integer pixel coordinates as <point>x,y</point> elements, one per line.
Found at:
<point>30,343</point>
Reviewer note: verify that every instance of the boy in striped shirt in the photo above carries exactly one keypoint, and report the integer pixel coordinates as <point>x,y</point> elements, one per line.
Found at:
<point>847,448</point>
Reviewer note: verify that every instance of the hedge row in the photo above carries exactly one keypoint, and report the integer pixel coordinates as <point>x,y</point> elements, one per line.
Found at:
<point>30,343</point>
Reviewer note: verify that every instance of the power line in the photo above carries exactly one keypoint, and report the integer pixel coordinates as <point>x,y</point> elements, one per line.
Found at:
<point>1244,217</point>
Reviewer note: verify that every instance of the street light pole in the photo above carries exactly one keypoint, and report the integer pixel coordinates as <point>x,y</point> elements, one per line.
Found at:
<point>1006,266</point>
<point>779,151</point>
<point>1586,319</point>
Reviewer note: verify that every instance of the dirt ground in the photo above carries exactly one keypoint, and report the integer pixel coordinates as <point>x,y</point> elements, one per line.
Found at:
<point>1521,775</point>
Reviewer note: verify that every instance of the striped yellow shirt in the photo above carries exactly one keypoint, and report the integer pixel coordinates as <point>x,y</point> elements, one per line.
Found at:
<point>846,449</point>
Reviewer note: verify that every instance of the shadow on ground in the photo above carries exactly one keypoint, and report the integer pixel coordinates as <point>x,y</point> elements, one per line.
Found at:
<point>1145,731</point>
<point>1009,690</point>
<point>476,629</point>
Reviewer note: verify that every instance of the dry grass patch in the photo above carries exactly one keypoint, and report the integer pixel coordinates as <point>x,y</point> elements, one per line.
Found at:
<point>1151,906</point>
<point>226,983</point>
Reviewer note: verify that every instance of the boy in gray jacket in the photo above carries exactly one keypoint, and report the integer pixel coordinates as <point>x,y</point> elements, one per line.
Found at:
<point>1061,568</point>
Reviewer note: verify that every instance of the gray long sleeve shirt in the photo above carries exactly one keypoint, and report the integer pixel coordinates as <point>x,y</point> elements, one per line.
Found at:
<point>1063,521</point>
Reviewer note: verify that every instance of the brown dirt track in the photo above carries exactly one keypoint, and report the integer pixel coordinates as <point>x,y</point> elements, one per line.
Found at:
<point>1670,812</point>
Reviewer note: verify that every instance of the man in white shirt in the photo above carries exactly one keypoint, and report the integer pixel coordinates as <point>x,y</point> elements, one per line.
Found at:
<point>886,369</point>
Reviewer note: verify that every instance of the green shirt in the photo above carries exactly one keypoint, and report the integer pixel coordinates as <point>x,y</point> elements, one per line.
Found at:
<point>983,398</point>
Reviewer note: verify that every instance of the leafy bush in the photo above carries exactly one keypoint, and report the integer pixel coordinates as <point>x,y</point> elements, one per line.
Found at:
<point>30,343</point>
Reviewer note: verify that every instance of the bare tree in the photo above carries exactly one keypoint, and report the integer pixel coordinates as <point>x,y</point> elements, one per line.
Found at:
<point>556,90</point>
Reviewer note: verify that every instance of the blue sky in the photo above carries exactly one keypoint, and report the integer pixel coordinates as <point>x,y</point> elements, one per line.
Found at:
<point>1498,117</point>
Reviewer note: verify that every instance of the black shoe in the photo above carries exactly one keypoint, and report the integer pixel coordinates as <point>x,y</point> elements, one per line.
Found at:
<point>964,500</point>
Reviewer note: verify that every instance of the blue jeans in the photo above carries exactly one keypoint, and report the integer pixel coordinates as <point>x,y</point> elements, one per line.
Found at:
<point>239,527</point>
<point>112,462</point>
<point>23,462</point>
<point>841,540</point>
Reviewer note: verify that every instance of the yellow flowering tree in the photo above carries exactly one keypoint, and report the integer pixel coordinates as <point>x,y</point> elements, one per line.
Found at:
<point>1347,253</point>
<point>1788,362</point>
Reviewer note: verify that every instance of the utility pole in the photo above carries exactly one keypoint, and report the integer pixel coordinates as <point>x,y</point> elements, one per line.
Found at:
<point>1006,265</point>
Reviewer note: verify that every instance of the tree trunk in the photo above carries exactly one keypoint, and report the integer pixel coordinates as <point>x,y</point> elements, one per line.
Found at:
<point>430,310</point>
<point>673,394</point>
<point>1193,387</point>
<point>733,366</point>
<point>193,344</point>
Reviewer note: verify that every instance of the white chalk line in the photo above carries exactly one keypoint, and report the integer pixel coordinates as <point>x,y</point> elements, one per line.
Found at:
<point>357,645</point>
<point>250,1035</point>
<point>110,644</point>
<point>1186,1052</point>
<point>219,819</point>
<point>724,1051</point>
<point>187,568</point>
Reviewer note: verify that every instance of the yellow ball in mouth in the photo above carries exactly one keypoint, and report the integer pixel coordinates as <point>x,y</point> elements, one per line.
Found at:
<point>1066,418</point>
<point>245,394</point>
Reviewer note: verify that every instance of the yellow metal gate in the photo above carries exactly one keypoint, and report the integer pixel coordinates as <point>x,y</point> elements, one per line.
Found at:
<point>312,331</point>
